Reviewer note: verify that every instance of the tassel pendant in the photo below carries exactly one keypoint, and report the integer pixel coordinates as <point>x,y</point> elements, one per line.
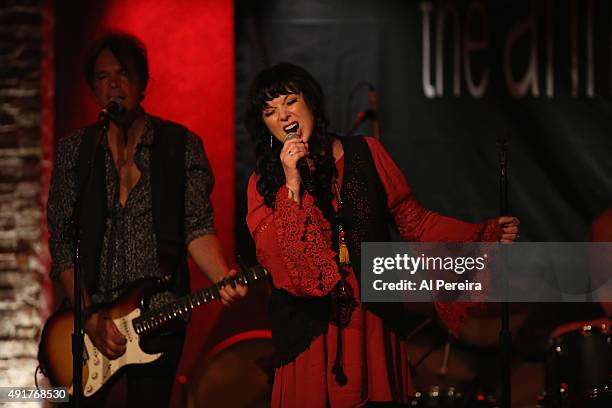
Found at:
<point>343,253</point>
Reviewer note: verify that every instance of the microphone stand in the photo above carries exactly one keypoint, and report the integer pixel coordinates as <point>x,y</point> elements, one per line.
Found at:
<point>505,336</point>
<point>361,117</point>
<point>370,113</point>
<point>373,101</point>
<point>78,334</point>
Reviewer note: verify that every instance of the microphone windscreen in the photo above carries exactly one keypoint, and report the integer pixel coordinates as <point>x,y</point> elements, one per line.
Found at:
<point>114,106</point>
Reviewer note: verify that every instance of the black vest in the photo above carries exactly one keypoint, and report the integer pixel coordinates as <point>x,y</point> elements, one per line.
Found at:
<point>168,202</point>
<point>296,322</point>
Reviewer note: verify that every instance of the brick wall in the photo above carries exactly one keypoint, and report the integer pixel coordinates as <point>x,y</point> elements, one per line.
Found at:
<point>22,274</point>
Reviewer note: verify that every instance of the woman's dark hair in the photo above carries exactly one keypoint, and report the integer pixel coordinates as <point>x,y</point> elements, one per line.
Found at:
<point>284,79</point>
<point>129,51</point>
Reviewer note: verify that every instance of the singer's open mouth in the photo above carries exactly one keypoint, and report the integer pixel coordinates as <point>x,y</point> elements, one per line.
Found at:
<point>291,128</point>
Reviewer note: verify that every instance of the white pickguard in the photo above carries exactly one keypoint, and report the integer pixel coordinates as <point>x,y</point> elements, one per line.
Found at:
<point>101,369</point>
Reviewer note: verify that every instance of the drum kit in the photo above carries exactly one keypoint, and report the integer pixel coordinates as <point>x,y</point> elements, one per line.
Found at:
<point>453,367</point>
<point>236,368</point>
<point>235,373</point>
<point>578,366</point>
<point>577,373</point>
<point>448,397</point>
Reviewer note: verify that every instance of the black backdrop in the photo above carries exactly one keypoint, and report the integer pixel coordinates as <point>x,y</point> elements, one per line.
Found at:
<point>558,131</point>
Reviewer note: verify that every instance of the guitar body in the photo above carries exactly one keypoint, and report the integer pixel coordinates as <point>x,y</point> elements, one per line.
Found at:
<point>55,351</point>
<point>56,346</point>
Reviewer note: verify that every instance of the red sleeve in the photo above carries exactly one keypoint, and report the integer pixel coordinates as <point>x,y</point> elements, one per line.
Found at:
<point>293,243</point>
<point>416,223</point>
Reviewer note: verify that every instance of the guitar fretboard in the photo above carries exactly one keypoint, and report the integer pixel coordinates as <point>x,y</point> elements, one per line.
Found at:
<point>155,319</point>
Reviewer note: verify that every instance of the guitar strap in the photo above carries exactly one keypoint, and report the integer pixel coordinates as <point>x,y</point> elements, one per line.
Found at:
<point>168,196</point>
<point>91,204</point>
<point>168,202</point>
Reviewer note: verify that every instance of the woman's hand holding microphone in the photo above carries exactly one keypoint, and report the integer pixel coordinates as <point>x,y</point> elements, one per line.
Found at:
<point>294,149</point>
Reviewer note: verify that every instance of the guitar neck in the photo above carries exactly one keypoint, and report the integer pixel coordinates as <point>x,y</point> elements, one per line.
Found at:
<point>154,319</point>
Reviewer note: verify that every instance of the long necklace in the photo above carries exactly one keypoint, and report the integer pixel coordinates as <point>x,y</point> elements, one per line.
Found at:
<point>344,300</point>
<point>343,253</point>
<point>343,303</point>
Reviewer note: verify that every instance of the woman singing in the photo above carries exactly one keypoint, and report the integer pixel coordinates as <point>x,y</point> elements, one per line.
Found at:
<point>308,223</point>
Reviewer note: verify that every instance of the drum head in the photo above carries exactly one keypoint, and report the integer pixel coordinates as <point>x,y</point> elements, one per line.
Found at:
<point>236,373</point>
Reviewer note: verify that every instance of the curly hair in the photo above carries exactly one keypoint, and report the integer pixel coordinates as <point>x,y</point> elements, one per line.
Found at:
<point>284,79</point>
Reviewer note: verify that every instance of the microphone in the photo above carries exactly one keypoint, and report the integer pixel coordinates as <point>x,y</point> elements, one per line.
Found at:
<point>303,167</point>
<point>113,110</point>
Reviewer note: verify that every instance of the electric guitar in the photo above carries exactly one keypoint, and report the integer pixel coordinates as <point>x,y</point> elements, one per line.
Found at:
<point>133,321</point>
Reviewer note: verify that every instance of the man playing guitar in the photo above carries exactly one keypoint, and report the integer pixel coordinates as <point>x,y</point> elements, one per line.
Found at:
<point>140,192</point>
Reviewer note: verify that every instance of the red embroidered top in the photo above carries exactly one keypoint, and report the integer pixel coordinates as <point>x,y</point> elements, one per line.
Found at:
<point>375,360</point>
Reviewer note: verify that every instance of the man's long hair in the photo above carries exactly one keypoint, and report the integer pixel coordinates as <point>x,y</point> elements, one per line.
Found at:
<point>284,79</point>
<point>129,51</point>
